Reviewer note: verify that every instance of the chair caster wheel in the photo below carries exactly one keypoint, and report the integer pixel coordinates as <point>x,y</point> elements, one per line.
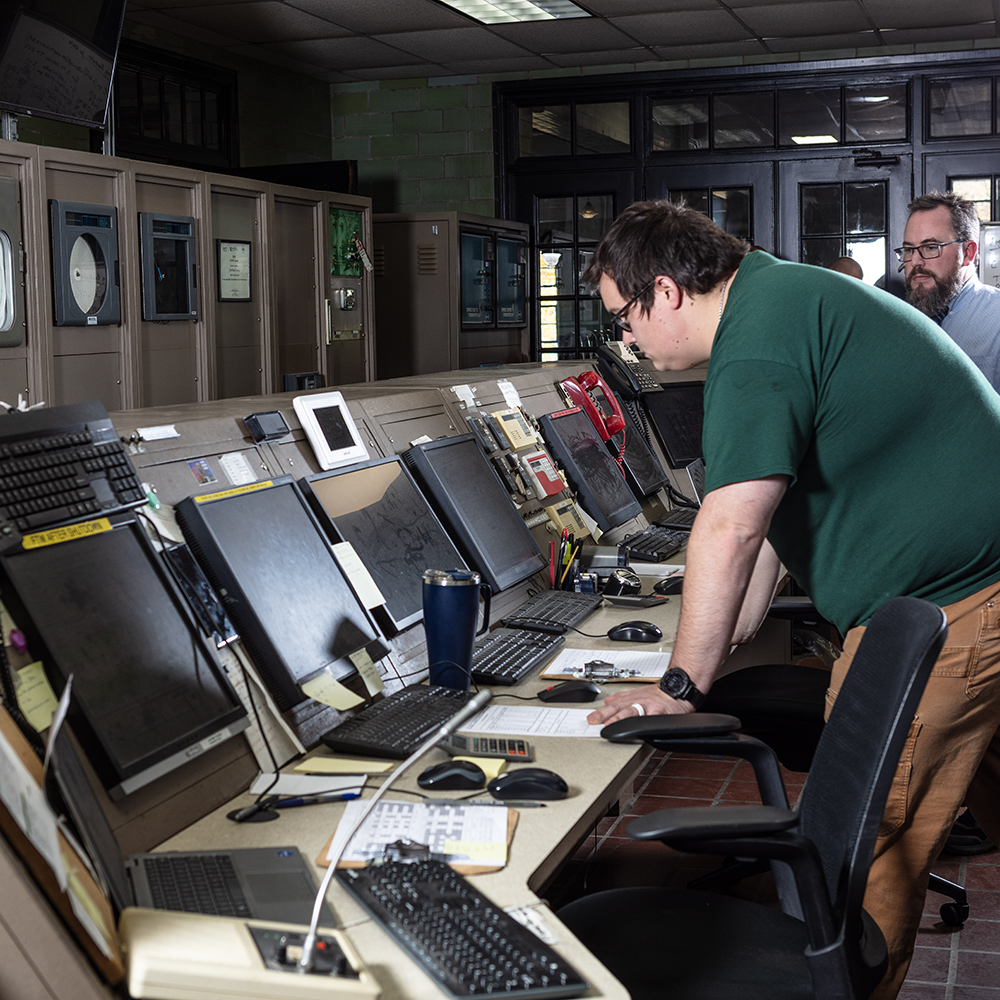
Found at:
<point>955,914</point>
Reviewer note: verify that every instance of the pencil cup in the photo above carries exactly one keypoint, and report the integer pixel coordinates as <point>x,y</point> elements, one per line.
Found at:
<point>451,608</point>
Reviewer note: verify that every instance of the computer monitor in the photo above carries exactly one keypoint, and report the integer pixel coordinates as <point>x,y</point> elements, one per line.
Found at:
<point>643,471</point>
<point>379,509</point>
<point>267,557</point>
<point>592,472</point>
<point>677,415</point>
<point>467,495</point>
<point>148,692</point>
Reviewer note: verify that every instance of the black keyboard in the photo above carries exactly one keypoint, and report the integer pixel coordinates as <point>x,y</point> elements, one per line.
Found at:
<point>678,517</point>
<point>505,655</point>
<point>62,464</point>
<point>554,611</point>
<point>654,544</point>
<point>395,726</point>
<point>195,884</point>
<point>466,944</point>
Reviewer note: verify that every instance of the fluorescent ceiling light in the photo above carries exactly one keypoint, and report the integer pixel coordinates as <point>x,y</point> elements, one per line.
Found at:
<point>501,11</point>
<point>811,140</point>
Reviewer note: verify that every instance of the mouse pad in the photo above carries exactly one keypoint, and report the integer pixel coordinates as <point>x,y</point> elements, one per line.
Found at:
<point>464,869</point>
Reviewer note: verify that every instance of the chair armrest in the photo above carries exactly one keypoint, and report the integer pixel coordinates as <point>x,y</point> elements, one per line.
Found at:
<point>712,822</point>
<point>667,727</point>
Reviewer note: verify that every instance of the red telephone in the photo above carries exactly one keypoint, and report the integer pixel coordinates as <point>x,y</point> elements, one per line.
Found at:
<point>580,392</point>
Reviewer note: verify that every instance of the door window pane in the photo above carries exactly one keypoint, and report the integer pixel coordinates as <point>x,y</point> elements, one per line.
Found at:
<point>557,327</point>
<point>731,211</point>
<point>822,251</point>
<point>593,319</point>
<point>544,131</point>
<point>553,266</point>
<point>865,204</point>
<point>152,127</point>
<point>960,107</point>
<point>808,117</point>
<point>870,255</point>
<point>174,111</point>
<point>127,96</point>
<point>594,216</point>
<point>603,128</point>
<point>978,190</point>
<point>192,107</point>
<point>555,220</point>
<point>822,210</point>
<point>744,120</point>
<point>681,124</point>
<point>875,113</point>
<point>694,198</point>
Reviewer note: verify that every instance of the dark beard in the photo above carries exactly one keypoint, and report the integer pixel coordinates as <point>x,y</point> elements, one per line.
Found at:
<point>934,302</point>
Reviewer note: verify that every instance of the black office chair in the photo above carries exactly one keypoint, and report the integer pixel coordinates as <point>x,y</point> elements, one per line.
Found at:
<point>677,943</point>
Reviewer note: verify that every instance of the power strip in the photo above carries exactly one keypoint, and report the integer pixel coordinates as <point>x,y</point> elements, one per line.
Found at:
<point>188,956</point>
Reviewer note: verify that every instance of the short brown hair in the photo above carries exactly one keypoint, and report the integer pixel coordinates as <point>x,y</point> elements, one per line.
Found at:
<point>964,219</point>
<point>652,238</point>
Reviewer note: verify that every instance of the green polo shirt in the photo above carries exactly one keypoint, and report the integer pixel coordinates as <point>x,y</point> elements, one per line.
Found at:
<point>891,437</point>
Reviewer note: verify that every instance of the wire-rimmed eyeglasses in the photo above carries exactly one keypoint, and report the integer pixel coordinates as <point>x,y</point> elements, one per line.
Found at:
<point>620,318</point>
<point>927,251</point>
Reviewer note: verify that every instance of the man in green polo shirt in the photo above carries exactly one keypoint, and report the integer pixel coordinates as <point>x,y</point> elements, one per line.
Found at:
<point>830,410</point>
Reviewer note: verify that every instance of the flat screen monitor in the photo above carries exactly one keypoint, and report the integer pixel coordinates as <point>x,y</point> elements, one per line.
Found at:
<point>264,552</point>
<point>379,510</point>
<point>148,692</point>
<point>467,495</point>
<point>677,415</point>
<point>57,58</point>
<point>592,472</point>
<point>643,471</point>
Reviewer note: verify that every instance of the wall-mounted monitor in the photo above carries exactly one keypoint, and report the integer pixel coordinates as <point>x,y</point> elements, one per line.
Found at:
<point>677,415</point>
<point>265,554</point>
<point>167,257</point>
<point>148,692</point>
<point>592,472</point>
<point>57,58</point>
<point>84,263</point>
<point>379,510</point>
<point>467,495</point>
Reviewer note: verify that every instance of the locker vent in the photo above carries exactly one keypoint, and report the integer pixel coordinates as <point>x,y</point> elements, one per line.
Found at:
<point>378,261</point>
<point>427,258</point>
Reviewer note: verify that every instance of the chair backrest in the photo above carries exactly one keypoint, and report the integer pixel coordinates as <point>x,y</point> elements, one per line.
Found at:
<point>844,798</point>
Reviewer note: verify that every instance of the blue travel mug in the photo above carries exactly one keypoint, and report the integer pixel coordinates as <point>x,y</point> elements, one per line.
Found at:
<point>451,608</point>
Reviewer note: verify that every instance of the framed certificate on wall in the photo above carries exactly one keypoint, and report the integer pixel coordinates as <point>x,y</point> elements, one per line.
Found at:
<point>233,260</point>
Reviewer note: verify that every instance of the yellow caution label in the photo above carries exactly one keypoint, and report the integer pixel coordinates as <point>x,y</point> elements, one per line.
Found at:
<point>236,491</point>
<point>68,534</point>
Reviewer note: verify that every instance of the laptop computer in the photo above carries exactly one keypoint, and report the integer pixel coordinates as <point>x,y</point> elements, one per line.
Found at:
<point>683,517</point>
<point>267,883</point>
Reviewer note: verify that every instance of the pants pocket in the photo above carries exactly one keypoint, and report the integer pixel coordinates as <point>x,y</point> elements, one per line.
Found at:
<point>899,793</point>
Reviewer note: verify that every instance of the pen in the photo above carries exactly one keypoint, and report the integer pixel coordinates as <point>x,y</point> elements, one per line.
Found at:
<point>312,800</point>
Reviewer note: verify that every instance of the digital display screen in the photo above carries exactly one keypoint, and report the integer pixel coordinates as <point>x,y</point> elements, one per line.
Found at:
<point>335,430</point>
<point>87,219</point>
<point>677,414</point>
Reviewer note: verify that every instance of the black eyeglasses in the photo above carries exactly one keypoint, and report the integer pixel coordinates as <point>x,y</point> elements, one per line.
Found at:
<point>927,251</point>
<point>619,319</point>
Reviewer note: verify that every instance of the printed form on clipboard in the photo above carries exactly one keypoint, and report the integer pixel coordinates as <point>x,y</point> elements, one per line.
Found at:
<point>633,666</point>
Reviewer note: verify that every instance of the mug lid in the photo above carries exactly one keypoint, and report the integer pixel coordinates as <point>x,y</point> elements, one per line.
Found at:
<point>451,578</point>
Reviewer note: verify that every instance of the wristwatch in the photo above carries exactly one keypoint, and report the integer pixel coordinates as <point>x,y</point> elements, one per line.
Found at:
<point>677,684</point>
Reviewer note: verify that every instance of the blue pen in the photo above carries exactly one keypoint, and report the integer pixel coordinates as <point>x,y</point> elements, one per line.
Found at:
<point>312,800</point>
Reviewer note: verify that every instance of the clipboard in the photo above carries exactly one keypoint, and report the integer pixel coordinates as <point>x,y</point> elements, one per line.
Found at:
<point>463,869</point>
<point>90,893</point>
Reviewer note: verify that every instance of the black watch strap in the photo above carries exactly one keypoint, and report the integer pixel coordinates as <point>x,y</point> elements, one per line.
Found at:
<point>676,683</point>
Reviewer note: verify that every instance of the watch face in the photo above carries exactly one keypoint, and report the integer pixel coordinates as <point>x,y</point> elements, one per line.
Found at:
<point>674,682</point>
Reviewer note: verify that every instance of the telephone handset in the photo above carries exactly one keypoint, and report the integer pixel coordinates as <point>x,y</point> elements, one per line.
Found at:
<point>622,370</point>
<point>608,419</point>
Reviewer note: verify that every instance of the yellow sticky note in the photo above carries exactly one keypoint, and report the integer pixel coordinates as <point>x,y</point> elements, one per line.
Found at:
<point>34,695</point>
<point>369,672</point>
<point>491,766</point>
<point>484,853</point>
<point>327,689</point>
<point>343,765</point>
<point>356,571</point>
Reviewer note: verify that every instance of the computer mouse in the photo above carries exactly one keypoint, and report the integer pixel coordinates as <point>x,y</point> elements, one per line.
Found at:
<point>577,690</point>
<point>622,581</point>
<point>635,632</point>
<point>452,774</point>
<point>528,783</point>
<point>669,584</point>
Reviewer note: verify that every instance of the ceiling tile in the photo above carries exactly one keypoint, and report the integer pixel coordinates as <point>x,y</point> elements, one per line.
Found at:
<point>683,28</point>
<point>956,33</point>
<point>157,19</point>
<point>438,46</point>
<point>570,35</point>
<point>263,21</point>
<point>928,13</point>
<point>521,65</point>
<point>376,17</point>
<point>808,19</point>
<point>820,43</point>
<point>614,57</point>
<point>416,71</point>
<point>749,47</point>
<point>619,8</point>
<point>345,53</point>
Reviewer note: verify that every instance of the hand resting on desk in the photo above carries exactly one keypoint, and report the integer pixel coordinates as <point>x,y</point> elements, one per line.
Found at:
<point>622,705</point>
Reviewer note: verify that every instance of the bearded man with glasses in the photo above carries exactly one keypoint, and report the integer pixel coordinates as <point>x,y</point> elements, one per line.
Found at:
<point>939,250</point>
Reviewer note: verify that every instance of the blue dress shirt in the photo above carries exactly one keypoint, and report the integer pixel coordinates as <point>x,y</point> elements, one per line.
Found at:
<point>973,322</point>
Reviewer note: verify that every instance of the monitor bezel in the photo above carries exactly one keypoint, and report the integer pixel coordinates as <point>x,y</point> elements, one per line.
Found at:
<point>327,457</point>
<point>677,458</point>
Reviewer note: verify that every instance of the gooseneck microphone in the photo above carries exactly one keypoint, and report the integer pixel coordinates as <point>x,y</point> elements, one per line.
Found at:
<point>471,708</point>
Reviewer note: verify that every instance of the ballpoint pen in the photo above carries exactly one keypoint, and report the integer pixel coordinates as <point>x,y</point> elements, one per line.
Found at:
<point>312,800</point>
